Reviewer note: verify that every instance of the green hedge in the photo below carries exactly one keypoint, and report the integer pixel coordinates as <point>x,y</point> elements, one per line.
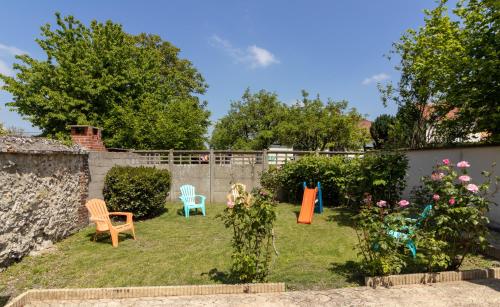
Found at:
<point>344,180</point>
<point>140,190</point>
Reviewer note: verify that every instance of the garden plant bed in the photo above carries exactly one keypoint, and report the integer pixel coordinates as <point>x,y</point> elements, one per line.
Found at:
<point>32,296</point>
<point>424,278</point>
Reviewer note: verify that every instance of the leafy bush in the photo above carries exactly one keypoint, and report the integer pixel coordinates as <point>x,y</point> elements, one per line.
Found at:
<point>251,217</point>
<point>454,228</point>
<point>343,179</point>
<point>140,190</point>
<point>382,175</point>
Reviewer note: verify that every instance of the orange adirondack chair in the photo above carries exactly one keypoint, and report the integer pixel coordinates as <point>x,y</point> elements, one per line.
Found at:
<point>100,216</point>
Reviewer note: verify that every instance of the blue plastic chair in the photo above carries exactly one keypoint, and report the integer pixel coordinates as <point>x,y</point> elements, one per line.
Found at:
<point>188,197</point>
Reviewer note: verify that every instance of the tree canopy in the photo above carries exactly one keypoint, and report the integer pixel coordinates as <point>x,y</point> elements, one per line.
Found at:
<point>260,120</point>
<point>449,65</point>
<point>380,130</point>
<point>251,122</point>
<point>135,87</point>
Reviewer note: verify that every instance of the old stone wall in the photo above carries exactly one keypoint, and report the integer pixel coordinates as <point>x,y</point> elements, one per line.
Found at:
<point>42,196</point>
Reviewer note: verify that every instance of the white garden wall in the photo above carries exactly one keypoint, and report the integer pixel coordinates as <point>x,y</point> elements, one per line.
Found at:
<point>481,158</point>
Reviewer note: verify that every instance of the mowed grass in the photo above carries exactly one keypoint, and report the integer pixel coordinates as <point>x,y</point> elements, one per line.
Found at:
<point>173,250</point>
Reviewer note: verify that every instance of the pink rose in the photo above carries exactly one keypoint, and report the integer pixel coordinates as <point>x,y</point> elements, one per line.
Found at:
<point>472,188</point>
<point>381,203</point>
<point>446,161</point>
<point>463,164</point>
<point>230,204</point>
<point>403,203</point>
<point>435,176</point>
<point>435,197</point>
<point>451,201</point>
<point>464,178</point>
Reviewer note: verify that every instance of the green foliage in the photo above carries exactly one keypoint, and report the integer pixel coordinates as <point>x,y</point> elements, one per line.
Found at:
<point>250,123</point>
<point>380,130</point>
<point>449,76</point>
<point>3,131</point>
<point>251,217</point>
<point>260,120</point>
<point>140,190</point>
<point>383,175</point>
<point>312,124</point>
<point>459,219</point>
<point>381,253</point>
<point>135,87</point>
<point>343,179</point>
<point>455,228</point>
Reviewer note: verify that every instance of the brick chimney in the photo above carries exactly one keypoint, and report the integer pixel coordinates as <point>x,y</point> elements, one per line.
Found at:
<point>88,137</point>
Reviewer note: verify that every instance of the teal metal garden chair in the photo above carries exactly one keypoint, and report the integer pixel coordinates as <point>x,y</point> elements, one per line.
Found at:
<point>188,197</point>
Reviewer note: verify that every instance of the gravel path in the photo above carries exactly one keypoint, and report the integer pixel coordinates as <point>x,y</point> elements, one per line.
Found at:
<point>477,293</point>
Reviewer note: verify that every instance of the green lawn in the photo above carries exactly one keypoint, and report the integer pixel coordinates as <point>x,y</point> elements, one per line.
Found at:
<point>173,250</point>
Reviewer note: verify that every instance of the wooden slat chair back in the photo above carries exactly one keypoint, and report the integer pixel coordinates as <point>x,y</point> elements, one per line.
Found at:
<point>99,214</point>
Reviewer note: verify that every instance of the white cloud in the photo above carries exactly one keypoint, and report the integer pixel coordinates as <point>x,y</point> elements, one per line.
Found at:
<point>11,50</point>
<point>261,57</point>
<point>5,69</point>
<point>254,56</point>
<point>376,78</point>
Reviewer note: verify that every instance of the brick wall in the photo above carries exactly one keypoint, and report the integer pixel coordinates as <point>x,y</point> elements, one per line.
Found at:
<point>88,137</point>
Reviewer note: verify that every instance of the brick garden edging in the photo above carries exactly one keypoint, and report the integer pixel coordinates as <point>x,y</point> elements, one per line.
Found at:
<point>423,278</point>
<point>135,292</point>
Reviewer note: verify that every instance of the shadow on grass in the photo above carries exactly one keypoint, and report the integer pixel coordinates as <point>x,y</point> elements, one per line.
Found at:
<point>351,270</point>
<point>105,238</point>
<point>221,277</point>
<point>343,217</point>
<point>4,300</point>
<point>191,213</point>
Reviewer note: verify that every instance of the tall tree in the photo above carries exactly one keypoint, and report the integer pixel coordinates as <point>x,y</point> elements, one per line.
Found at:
<point>133,86</point>
<point>426,57</point>
<point>476,90</point>
<point>449,66</point>
<point>250,123</point>
<point>312,124</point>
<point>380,130</point>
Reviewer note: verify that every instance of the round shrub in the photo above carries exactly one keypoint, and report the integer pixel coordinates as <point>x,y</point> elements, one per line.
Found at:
<point>140,190</point>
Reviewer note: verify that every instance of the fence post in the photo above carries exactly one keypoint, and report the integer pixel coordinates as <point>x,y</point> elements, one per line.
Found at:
<point>265,161</point>
<point>171,170</point>
<point>211,162</point>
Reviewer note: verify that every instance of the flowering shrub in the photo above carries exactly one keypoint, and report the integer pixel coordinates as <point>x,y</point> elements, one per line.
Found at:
<point>251,218</point>
<point>459,217</point>
<point>381,253</point>
<point>454,228</point>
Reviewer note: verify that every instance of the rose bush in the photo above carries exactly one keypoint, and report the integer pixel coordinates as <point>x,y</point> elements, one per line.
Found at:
<point>251,217</point>
<point>454,228</point>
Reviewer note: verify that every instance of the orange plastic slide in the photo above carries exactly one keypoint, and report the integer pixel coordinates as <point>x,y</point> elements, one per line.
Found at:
<point>307,209</point>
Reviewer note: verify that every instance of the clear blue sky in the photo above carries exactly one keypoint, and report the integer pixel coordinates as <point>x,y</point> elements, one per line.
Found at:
<point>334,48</point>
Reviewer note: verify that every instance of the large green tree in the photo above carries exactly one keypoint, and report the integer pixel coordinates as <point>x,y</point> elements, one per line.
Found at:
<point>250,123</point>
<point>450,72</point>
<point>133,86</point>
<point>312,124</point>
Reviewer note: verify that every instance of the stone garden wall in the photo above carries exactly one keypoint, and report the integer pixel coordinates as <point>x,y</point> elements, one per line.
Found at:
<point>43,189</point>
